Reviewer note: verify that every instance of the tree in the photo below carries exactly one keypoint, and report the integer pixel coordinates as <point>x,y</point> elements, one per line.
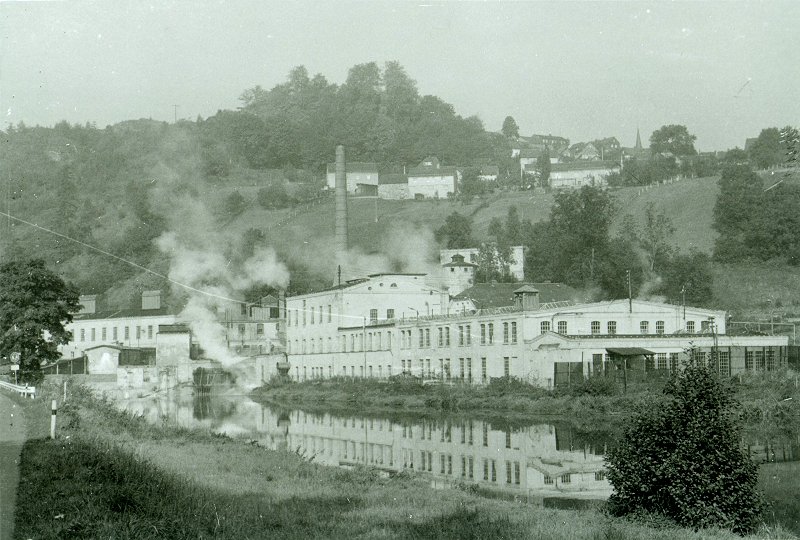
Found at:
<point>35,305</point>
<point>688,277</point>
<point>456,232</point>
<point>674,139</point>
<point>233,205</point>
<point>470,185</point>
<point>543,167</point>
<point>657,230</point>
<point>682,459</point>
<point>510,127</point>
<point>494,262</point>
<point>738,203</point>
<point>768,149</point>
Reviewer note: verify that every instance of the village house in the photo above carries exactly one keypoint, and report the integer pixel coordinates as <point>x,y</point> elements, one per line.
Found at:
<point>431,180</point>
<point>362,178</point>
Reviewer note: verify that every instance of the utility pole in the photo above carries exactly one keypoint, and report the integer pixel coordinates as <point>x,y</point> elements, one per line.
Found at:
<point>175,110</point>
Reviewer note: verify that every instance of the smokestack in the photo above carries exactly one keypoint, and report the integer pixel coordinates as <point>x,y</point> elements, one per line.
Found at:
<point>341,208</point>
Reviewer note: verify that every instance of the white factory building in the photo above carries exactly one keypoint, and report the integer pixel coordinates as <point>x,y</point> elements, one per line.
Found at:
<point>388,324</point>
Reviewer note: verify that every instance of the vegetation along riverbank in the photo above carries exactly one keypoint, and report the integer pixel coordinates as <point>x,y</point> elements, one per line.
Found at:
<point>111,474</point>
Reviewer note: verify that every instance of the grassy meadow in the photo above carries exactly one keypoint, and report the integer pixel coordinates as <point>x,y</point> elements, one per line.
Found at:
<point>110,474</point>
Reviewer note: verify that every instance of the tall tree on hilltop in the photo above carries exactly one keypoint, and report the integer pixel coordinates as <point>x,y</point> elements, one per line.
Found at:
<point>673,138</point>
<point>510,128</point>
<point>543,168</point>
<point>737,205</point>
<point>35,306</point>
<point>768,149</point>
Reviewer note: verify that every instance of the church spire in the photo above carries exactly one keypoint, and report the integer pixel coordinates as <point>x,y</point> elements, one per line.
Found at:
<point>638,140</point>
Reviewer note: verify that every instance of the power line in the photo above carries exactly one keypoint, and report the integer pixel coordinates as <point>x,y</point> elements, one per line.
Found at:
<point>117,257</point>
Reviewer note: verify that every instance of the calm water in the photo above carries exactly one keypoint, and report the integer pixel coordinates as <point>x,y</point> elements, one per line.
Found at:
<point>553,464</point>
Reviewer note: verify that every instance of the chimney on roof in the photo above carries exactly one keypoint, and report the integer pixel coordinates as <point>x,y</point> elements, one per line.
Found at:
<point>88,303</point>
<point>151,300</point>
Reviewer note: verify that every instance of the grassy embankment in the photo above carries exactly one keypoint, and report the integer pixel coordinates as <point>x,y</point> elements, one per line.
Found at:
<point>112,475</point>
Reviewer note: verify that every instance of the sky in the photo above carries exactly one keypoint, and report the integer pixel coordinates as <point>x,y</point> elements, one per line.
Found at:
<point>581,70</point>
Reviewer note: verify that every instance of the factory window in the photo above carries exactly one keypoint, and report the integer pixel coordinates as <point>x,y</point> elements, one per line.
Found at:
<point>690,327</point>
<point>662,360</point>
<point>544,326</point>
<point>427,337</point>
<point>599,476</point>
<point>485,469</point>
<point>483,369</point>
<point>494,471</point>
<point>92,333</point>
<point>103,334</point>
<point>243,308</point>
<point>447,368</point>
<point>352,342</point>
<point>150,331</point>
<point>320,315</point>
<point>428,367</point>
<point>595,327</point>
<point>83,334</point>
<point>373,315</point>
<point>421,337</point>
<point>673,361</point>
<point>485,434</point>
<point>704,326</point>
<point>469,369</point>
<point>390,314</point>
<point>114,334</point>
<point>389,339</point>
<point>304,312</point>
<point>770,358</point>
<point>566,478</point>
<point>461,368</point>
<point>260,329</point>
<point>447,336</point>
<point>241,330</point>
<point>548,480</point>
<point>343,345</point>
<point>724,366</point>
<point>508,472</point>
<point>505,332</point>
<point>441,336</point>
<point>483,334</point>
<point>329,313</point>
<point>562,327</point>
<point>760,364</point>
<point>468,332</point>
<point>513,332</point>
<point>644,327</point>
<point>516,472</point>
<point>491,333</point>
<point>127,333</point>
<point>506,367</point>
<point>612,327</point>
<point>659,327</point>
<point>460,336</point>
<point>311,317</point>
<point>508,439</point>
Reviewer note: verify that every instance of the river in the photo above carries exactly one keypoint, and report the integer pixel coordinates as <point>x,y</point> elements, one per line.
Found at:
<point>555,464</point>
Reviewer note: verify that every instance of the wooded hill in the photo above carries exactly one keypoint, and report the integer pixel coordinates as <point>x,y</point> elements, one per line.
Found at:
<point>255,176</point>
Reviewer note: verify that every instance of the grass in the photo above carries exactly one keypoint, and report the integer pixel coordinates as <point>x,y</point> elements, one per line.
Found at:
<point>112,475</point>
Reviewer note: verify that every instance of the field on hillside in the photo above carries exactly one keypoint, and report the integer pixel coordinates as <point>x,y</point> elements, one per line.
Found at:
<point>688,203</point>
<point>757,290</point>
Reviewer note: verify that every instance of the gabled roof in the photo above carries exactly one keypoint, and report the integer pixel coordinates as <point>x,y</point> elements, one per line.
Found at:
<point>492,295</point>
<point>392,178</point>
<point>430,166</point>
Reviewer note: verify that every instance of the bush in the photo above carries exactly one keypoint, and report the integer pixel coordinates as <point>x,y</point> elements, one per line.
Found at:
<point>683,461</point>
<point>595,386</point>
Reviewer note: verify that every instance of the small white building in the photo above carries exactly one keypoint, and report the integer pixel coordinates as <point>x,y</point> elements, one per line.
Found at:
<point>516,268</point>
<point>429,180</point>
<point>576,174</point>
<point>362,178</point>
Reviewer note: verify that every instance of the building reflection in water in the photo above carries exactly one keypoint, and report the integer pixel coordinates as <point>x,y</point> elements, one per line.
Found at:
<point>535,463</point>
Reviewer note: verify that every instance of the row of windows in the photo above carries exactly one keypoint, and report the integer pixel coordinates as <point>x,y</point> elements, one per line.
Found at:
<point>374,341</point>
<point>320,372</point>
<point>315,315</point>
<point>126,332</point>
<point>487,336</point>
<point>424,368</point>
<point>513,468</point>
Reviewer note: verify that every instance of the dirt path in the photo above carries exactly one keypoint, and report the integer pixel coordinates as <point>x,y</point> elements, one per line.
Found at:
<point>12,437</point>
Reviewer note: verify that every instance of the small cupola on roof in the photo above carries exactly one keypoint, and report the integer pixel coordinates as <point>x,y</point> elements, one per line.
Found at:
<point>526,298</point>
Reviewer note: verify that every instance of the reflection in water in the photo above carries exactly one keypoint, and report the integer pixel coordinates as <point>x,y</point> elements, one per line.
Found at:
<point>536,463</point>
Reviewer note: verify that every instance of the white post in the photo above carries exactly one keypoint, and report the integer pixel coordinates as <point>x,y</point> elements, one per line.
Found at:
<point>53,407</point>
<point>65,390</point>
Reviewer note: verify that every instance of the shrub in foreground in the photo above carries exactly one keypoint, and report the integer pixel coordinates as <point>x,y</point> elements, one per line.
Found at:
<point>683,460</point>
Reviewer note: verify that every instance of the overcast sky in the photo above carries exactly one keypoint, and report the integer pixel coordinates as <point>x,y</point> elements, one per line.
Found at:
<point>581,70</point>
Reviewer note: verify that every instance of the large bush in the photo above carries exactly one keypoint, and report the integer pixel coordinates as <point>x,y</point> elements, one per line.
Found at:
<point>683,460</point>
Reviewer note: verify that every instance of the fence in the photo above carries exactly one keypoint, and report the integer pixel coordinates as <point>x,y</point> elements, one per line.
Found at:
<point>24,391</point>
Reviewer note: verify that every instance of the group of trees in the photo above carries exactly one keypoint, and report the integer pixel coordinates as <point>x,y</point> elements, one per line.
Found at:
<point>754,220</point>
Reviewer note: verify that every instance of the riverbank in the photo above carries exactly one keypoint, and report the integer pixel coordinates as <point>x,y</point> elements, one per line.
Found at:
<point>769,401</point>
<point>112,474</point>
